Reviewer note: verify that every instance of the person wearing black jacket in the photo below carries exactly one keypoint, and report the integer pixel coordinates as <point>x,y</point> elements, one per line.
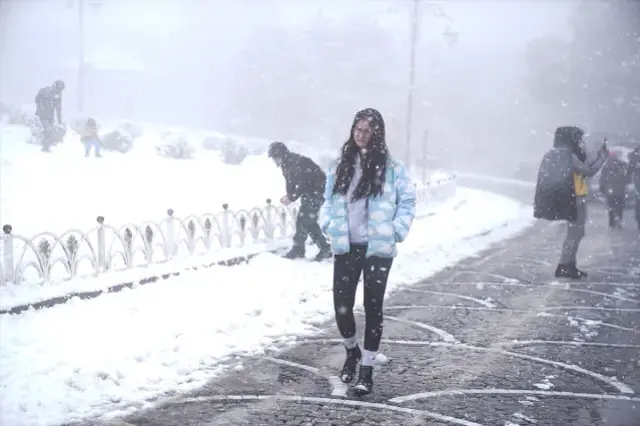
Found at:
<point>614,179</point>
<point>305,180</point>
<point>634,174</point>
<point>48,106</point>
<point>562,190</point>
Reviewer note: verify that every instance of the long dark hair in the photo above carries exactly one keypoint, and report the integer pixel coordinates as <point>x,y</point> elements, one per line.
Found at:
<point>571,137</point>
<point>374,159</point>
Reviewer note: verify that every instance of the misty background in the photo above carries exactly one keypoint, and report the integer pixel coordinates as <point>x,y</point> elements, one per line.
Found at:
<point>487,99</point>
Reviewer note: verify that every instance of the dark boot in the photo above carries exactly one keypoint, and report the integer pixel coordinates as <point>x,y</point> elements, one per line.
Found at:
<point>325,253</point>
<point>568,271</point>
<point>580,274</point>
<point>349,368</point>
<point>364,385</point>
<point>296,252</point>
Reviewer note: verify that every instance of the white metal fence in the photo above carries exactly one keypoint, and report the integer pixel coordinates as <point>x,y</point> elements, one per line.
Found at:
<point>47,256</point>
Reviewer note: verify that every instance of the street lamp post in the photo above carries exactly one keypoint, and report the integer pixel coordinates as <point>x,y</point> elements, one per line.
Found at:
<point>81,65</point>
<point>412,76</point>
<point>95,5</point>
<point>450,37</point>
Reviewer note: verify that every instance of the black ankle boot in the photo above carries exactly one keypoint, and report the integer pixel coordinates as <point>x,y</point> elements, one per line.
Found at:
<point>580,274</point>
<point>349,368</point>
<point>364,385</point>
<point>569,270</point>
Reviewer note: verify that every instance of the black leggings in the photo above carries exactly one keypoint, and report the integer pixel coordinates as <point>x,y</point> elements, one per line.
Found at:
<point>346,274</point>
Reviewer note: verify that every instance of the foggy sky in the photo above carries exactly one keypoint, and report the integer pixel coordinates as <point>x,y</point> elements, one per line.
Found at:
<point>178,62</point>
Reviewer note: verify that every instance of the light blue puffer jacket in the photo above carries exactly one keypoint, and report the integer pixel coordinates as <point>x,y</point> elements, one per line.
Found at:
<point>390,214</point>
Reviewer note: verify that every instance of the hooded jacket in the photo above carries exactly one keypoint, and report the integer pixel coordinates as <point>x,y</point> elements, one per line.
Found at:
<point>562,176</point>
<point>49,104</point>
<point>303,177</point>
<point>389,215</point>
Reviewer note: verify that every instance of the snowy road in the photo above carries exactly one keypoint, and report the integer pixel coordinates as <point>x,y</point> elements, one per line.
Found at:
<point>493,341</point>
<point>113,354</point>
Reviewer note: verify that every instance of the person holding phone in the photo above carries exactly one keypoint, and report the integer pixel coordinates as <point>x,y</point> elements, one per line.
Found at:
<point>562,189</point>
<point>634,174</point>
<point>614,179</point>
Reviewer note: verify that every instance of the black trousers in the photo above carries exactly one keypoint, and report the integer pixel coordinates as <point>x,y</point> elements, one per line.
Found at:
<point>307,224</point>
<point>347,269</point>
<point>615,205</point>
<point>47,133</point>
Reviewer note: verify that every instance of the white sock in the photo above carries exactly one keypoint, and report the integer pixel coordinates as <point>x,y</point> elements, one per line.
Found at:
<point>369,358</point>
<point>351,342</point>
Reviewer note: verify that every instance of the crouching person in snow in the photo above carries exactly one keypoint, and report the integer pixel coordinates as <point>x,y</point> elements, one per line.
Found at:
<point>48,108</point>
<point>562,189</point>
<point>90,138</point>
<point>370,205</point>
<point>304,180</point>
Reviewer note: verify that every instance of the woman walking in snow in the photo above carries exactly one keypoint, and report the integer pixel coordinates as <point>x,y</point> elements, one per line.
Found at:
<point>369,207</point>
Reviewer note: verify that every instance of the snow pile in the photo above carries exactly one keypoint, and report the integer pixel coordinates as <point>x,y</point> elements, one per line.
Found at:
<point>175,144</point>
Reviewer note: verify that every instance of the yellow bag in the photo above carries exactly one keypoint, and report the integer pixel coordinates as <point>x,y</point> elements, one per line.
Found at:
<point>580,183</point>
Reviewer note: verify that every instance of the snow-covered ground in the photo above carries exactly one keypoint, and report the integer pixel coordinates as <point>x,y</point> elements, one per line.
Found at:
<point>111,354</point>
<point>63,190</point>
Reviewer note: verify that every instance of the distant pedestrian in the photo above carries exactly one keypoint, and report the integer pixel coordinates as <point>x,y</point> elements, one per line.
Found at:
<point>634,173</point>
<point>614,180</point>
<point>562,189</point>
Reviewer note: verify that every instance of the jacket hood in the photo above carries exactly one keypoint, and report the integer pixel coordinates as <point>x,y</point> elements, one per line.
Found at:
<point>568,136</point>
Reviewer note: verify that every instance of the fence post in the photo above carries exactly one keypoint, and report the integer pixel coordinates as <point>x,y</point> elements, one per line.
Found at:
<point>148,239</point>
<point>102,246</point>
<point>9,267</point>
<point>171,235</point>
<point>226,226</point>
<point>269,226</point>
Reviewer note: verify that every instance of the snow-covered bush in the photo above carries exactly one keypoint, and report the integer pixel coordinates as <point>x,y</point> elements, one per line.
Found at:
<point>132,129</point>
<point>37,133</point>
<point>257,146</point>
<point>117,140</point>
<point>175,145</point>
<point>4,110</point>
<point>22,116</point>
<point>213,142</point>
<point>233,152</point>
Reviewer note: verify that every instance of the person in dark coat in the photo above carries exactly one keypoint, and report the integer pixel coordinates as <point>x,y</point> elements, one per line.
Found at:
<point>561,192</point>
<point>613,186</point>
<point>304,180</point>
<point>48,108</point>
<point>634,175</point>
